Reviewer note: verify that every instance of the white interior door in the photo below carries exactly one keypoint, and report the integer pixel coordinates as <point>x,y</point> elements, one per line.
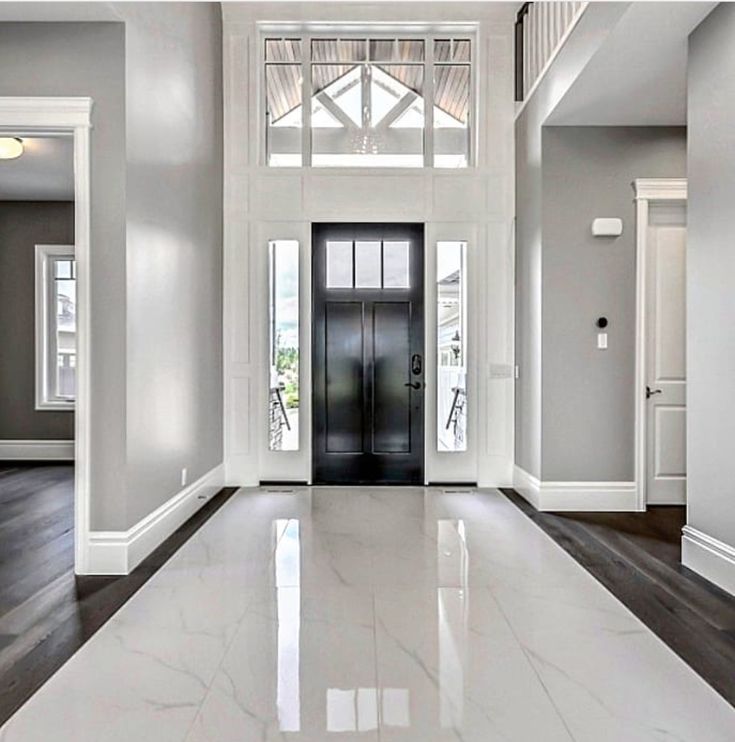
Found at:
<point>666,354</point>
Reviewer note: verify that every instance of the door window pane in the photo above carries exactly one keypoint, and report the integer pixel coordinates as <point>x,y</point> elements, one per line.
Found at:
<point>339,265</point>
<point>367,265</point>
<point>451,344</point>
<point>395,265</point>
<point>283,402</point>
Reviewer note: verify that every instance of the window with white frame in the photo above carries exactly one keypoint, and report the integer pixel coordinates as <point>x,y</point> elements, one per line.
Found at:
<point>366,101</point>
<point>56,327</point>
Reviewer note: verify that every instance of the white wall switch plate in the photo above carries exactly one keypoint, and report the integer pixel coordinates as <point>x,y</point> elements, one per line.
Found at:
<point>184,476</point>
<point>602,341</point>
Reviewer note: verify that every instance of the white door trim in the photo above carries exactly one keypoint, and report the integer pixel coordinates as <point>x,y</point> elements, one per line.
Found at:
<point>74,116</point>
<point>647,191</point>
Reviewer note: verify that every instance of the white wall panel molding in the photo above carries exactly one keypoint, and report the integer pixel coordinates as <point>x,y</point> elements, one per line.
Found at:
<point>260,199</point>
<point>575,496</point>
<point>36,450</point>
<point>276,194</point>
<point>120,552</point>
<point>709,557</point>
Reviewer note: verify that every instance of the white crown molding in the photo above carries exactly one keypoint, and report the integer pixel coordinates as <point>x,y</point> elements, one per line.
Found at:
<point>660,189</point>
<point>26,450</point>
<point>120,552</point>
<point>711,558</point>
<point>577,496</point>
<point>54,113</point>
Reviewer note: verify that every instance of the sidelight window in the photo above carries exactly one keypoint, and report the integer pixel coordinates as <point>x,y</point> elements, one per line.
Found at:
<point>367,101</point>
<point>451,342</point>
<point>283,400</point>
<point>56,327</point>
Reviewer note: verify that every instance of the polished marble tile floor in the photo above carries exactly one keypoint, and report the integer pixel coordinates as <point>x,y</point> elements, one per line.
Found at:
<point>401,615</point>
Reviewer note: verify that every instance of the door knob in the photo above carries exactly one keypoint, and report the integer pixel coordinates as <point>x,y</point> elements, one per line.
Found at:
<point>413,384</point>
<point>650,392</point>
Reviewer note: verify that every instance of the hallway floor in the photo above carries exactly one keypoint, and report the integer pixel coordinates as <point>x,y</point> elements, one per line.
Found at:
<point>392,614</point>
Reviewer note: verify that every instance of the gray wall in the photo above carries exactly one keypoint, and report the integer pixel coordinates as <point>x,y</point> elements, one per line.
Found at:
<point>174,247</point>
<point>592,28</point>
<point>155,76</point>
<point>588,401</point>
<point>710,271</point>
<point>87,59</point>
<point>23,225</point>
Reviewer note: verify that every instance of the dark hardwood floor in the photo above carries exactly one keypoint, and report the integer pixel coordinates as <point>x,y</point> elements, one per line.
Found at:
<point>46,612</point>
<point>636,556</point>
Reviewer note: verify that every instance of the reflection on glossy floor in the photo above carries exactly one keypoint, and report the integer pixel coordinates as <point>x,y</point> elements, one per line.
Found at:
<point>397,615</point>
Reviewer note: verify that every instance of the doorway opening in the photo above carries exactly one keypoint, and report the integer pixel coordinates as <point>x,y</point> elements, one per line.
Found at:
<point>368,365</point>
<point>661,342</point>
<point>59,333</point>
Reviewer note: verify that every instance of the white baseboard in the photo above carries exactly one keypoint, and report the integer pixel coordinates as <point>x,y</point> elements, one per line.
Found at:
<point>711,558</point>
<point>120,552</point>
<point>575,496</point>
<point>37,450</point>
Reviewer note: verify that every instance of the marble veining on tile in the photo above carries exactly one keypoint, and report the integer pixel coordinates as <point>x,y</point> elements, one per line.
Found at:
<point>386,615</point>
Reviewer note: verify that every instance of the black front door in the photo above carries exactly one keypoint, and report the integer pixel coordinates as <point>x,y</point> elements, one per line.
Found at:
<point>368,353</point>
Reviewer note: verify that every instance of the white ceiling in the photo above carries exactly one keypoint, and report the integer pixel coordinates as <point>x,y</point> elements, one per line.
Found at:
<point>44,172</point>
<point>638,76</point>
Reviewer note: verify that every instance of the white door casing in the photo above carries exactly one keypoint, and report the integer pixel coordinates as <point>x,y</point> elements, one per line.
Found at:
<point>71,115</point>
<point>660,414</point>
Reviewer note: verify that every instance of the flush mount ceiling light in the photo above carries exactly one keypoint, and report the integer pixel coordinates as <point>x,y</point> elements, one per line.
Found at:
<point>10,148</point>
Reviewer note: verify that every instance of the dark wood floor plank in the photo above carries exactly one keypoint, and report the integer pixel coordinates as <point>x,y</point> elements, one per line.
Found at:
<point>46,612</point>
<point>637,557</point>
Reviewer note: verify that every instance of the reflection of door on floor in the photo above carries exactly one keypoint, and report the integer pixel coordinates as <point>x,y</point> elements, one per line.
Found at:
<point>368,348</point>
<point>666,354</point>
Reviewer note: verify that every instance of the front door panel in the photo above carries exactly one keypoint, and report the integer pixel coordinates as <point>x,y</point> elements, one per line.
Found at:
<point>368,370</point>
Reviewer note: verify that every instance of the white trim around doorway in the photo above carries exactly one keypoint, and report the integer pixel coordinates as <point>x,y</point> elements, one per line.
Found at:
<point>647,191</point>
<point>64,115</point>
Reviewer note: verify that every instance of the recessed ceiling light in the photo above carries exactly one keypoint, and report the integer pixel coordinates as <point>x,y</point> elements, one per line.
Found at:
<point>10,148</point>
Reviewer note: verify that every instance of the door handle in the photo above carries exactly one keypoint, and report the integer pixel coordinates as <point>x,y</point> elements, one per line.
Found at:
<point>650,392</point>
<point>414,384</point>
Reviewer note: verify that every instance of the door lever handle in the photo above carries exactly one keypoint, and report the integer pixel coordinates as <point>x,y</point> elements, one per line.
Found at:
<point>413,384</point>
<point>650,392</point>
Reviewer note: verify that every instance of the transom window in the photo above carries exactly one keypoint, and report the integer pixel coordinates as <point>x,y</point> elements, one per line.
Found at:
<point>367,100</point>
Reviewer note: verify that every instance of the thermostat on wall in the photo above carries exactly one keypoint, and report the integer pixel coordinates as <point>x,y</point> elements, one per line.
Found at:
<point>605,226</point>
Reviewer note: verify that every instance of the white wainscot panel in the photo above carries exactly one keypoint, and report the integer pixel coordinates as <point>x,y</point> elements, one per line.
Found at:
<point>237,273</point>
<point>364,196</point>
<point>240,414</point>
<point>237,108</point>
<point>237,195</point>
<point>499,196</point>
<point>459,198</point>
<point>276,197</point>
